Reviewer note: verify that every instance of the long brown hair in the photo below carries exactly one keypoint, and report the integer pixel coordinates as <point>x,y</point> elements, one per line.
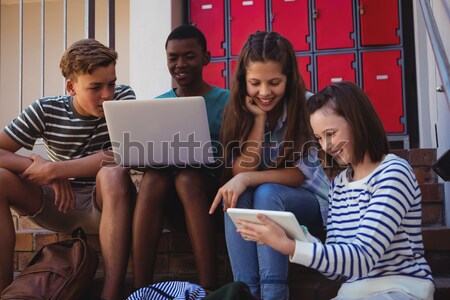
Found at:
<point>238,121</point>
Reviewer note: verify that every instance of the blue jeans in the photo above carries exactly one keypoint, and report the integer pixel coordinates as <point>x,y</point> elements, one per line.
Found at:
<point>262,268</point>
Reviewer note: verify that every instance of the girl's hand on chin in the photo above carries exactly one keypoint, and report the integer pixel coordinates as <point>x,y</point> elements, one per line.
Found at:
<point>251,106</point>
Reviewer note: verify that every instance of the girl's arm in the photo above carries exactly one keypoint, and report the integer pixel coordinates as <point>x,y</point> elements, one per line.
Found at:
<point>379,230</point>
<point>268,233</point>
<point>394,201</point>
<point>231,190</point>
<point>286,176</point>
<point>251,150</point>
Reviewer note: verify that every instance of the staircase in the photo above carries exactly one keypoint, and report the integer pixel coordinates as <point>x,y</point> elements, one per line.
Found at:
<point>175,260</point>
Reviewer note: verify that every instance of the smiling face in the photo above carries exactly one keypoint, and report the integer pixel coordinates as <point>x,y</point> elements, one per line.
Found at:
<point>185,61</point>
<point>334,134</point>
<point>266,84</point>
<point>89,91</point>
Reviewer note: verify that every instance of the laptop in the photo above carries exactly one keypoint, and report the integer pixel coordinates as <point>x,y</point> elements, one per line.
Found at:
<point>159,132</point>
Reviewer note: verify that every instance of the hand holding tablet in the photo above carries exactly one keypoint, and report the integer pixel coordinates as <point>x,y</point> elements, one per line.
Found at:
<point>284,219</point>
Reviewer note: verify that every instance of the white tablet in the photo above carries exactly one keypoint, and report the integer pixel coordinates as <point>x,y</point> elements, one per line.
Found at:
<point>285,219</point>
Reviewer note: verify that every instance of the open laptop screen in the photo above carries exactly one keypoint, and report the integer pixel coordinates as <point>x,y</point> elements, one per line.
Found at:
<point>159,132</point>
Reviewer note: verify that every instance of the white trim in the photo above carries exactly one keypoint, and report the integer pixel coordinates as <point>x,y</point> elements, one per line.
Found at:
<point>422,74</point>
<point>150,24</point>
<point>434,110</point>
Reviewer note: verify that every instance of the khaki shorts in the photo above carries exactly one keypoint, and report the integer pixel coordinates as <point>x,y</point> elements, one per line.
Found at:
<point>86,213</point>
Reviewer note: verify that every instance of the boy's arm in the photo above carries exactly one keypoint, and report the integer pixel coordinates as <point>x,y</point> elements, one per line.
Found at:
<point>8,158</point>
<point>39,169</point>
<point>43,171</point>
<point>87,166</point>
<point>19,164</point>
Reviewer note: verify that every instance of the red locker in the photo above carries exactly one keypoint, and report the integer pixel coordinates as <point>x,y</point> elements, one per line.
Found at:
<point>334,24</point>
<point>382,81</point>
<point>213,74</point>
<point>303,63</point>
<point>379,22</point>
<point>291,19</point>
<point>209,17</point>
<point>246,17</point>
<point>333,68</point>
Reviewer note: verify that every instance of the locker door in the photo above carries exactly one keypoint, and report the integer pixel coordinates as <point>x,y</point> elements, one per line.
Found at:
<point>290,18</point>
<point>246,17</point>
<point>379,22</point>
<point>213,74</point>
<point>333,24</point>
<point>382,81</point>
<point>303,63</point>
<point>208,16</point>
<point>334,68</point>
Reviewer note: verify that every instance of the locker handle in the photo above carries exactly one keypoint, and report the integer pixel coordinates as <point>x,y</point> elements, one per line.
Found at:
<point>315,14</point>
<point>361,10</point>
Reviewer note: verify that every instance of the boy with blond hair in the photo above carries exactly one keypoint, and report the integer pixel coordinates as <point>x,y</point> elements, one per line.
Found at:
<point>77,185</point>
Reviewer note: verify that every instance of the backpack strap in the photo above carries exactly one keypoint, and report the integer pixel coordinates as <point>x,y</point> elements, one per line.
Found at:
<point>79,232</point>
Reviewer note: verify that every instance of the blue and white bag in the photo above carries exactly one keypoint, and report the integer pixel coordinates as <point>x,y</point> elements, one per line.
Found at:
<point>169,290</point>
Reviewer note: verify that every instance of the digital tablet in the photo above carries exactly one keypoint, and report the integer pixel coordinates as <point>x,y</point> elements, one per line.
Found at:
<point>285,219</point>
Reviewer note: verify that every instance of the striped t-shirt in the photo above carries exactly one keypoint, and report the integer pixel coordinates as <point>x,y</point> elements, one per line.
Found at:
<point>65,133</point>
<point>374,236</point>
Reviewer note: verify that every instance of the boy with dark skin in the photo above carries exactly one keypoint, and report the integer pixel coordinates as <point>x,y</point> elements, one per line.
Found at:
<point>194,188</point>
<point>79,184</point>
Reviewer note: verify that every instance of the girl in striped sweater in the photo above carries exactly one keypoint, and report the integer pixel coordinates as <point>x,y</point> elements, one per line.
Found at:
<point>374,235</point>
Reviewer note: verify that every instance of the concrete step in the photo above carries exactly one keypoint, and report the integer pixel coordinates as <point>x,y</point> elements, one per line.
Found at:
<point>432,203</point>
<point>175,261</point>
<point>436,241</point>
<point>442,288</point>
<point>320,288</point>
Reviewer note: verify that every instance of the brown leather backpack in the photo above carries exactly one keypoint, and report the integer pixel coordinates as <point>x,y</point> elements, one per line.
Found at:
<point>59,271</point>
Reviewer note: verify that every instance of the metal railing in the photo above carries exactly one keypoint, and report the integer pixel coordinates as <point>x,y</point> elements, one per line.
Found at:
<point>89,26</point>
<point>440,56</point>
<point>89,33</point>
